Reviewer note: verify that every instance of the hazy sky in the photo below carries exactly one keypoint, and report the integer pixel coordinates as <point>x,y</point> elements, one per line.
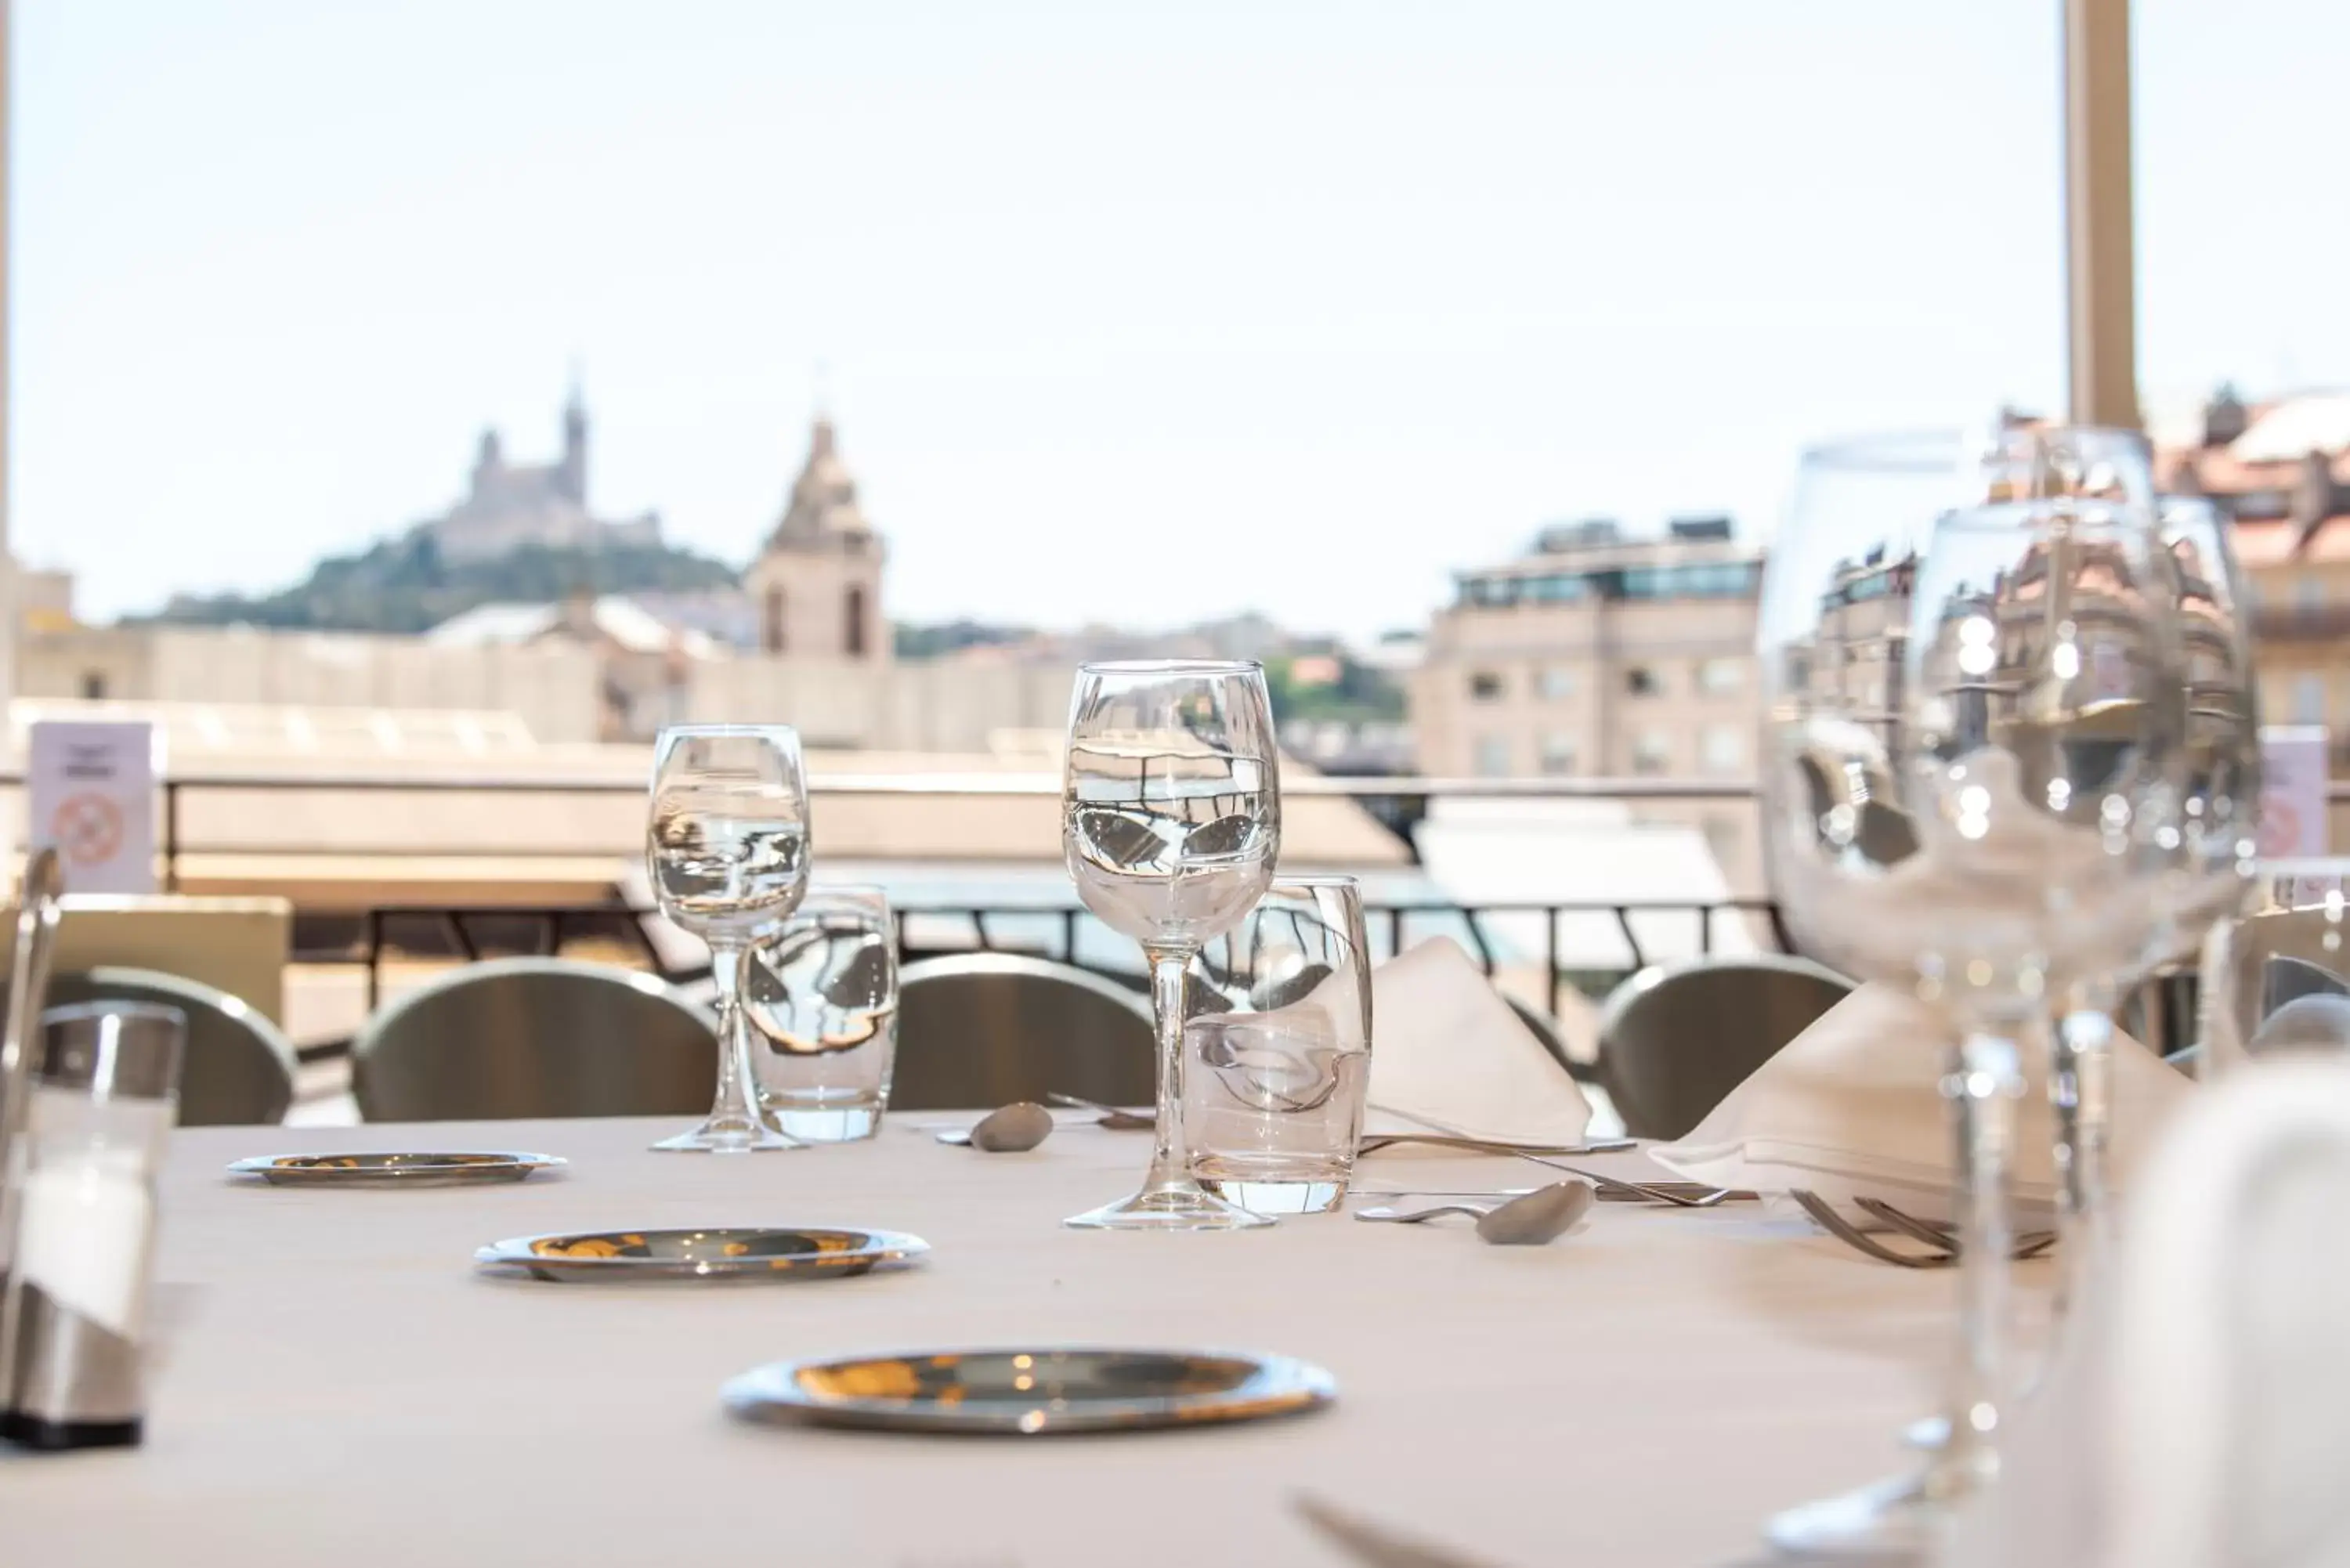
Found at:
<point>1139,312</point>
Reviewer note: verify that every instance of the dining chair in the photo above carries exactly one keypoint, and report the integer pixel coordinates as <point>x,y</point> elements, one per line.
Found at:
<point>237,1068</point>
<point>535,1037</point>
<point>1674,1040</point>
<point>1544,1028</point>
<point>979,1030</point>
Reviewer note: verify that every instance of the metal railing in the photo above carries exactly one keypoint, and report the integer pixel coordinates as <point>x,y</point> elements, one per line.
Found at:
<point>469,933</point>
<point>2301,623</point>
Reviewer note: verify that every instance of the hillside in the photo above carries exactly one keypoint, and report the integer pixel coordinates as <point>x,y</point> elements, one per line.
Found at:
<point>403,586</point>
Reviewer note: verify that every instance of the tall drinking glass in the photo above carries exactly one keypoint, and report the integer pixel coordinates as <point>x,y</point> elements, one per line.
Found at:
<point>1970,738</point>
<point>1170,821</point>
<point>823,990</point>
<point>1278,1050</point>
<point>727,849</point>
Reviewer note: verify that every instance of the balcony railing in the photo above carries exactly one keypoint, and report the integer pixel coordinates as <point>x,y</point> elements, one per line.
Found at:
<point>2301,623</point>
<point>456,933</point>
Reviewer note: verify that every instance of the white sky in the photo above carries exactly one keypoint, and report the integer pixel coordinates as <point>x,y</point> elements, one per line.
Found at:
<point>1136,312</point>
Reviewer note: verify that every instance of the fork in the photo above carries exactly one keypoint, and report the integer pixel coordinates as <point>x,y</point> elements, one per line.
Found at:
<point>1941,1238</point>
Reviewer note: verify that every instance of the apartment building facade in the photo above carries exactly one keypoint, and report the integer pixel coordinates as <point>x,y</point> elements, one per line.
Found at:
<point>1597,655</point>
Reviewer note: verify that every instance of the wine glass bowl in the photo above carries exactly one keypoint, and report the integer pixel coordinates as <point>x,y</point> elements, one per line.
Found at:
<point>727,850</point>
<point>1170,824</point>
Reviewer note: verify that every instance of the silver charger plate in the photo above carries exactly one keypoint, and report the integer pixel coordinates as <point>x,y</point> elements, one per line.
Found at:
<point>430,1169</point>
<point>814,1251</point>
<point>1037,1391</point>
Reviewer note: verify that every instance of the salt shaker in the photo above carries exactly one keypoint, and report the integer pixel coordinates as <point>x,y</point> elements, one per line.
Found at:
<point>73,1321</point>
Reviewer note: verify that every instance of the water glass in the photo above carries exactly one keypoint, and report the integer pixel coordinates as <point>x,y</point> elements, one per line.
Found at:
<point>823,995</point>
<point>1278,1050</point>
<point>2276,973</point>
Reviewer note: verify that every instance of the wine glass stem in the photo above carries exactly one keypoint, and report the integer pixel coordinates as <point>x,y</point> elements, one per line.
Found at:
<point>1982,1085</point>
<point>737,1098</point>
<point>1170,1160</point>
<point>2080,1093</point>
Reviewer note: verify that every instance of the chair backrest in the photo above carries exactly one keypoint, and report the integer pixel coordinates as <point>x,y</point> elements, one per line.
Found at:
<point>2230,1387</point>
<point>238,1069</point>
<point>1675,1040</point>
<point>535,1037</point>
<point>1544,1028</point>
<point>980,1030</point>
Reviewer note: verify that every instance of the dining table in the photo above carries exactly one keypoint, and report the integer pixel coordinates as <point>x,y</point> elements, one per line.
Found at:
<point>335,1380</point>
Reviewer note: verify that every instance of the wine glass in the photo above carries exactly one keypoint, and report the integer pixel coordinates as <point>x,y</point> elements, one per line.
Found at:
<point>1971,743</point>
<point>727,849</point>
<point>2213,862</point>
<point>1170,821</point>
<point>2276,972</point>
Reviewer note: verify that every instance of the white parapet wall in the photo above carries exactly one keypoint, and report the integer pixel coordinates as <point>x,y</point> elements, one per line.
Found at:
<point>943,705</point>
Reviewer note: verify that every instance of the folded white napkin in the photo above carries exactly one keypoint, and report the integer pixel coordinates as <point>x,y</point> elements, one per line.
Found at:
<point>1851,1108</point>
<point>1449,1054</point>
<point>2199,1403</point>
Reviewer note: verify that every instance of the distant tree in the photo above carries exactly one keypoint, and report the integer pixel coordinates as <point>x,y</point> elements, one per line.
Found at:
<point>916,640</point>
<point>1360,695</point>
<point>403,585</point>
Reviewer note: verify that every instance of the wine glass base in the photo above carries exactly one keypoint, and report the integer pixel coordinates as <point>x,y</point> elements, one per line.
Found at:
<point>1182,1205</point>
<point>728,1135</point>
<point>1897,1522</point>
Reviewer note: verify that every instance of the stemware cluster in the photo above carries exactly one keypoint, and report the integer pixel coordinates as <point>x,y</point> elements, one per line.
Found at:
<point>1171,824</point>
<point>2010,759</point>
<point>806,982</point>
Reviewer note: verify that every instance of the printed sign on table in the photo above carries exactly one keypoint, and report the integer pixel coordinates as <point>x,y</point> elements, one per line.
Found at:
<point>92,792</point>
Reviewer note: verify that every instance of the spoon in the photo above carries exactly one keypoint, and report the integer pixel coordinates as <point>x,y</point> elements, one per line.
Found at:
<point>1016,1128</point>
<point>1540,1216</point>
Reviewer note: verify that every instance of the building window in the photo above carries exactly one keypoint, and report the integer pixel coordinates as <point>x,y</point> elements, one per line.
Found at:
<point>1722,749</point>
<point>1558,755</point>
<point>93,686</point>
<point>2309,699</point>
<point>1652,753</point>
<point>1558,588</point>
<point>771,636</point>
<point>1642,681</point>
<point>1721,677</point>
<point>852,639</point>
<point>1493,756</point>
<point>1489,593</point>
<point>1485,686</point>
<point>1556,682</point>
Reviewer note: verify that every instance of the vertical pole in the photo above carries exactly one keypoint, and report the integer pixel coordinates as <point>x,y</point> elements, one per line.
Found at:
<point>2099,234</point>
<point>8,619</point>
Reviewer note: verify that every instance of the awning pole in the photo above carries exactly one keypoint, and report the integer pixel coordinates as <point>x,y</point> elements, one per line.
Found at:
<point>2099,238</point>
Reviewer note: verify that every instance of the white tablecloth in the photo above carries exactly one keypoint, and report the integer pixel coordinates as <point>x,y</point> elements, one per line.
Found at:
<point>339,1387</point>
